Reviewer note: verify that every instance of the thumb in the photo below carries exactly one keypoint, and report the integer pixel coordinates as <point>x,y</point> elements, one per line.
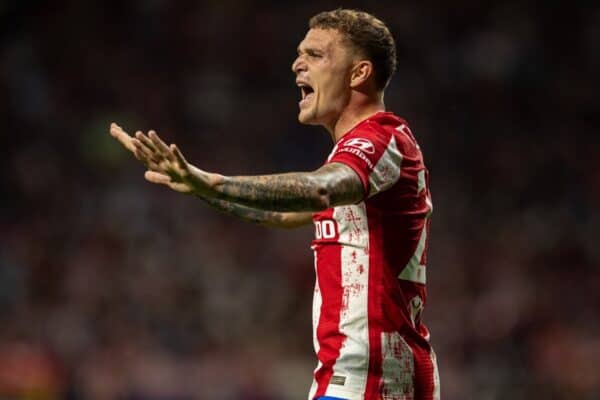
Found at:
<point>162,179</point>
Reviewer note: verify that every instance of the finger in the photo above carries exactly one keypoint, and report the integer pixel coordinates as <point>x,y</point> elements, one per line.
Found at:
<point>148,160</point>
<point>118,133</point>
<point>139,135</point>
<point>156,177</point>
<point>141,151</point>
<point>160,145</point>
<point>141,156</point>
<point>151,156</point>
<point>180,187</point>
<point>115,129</point>
<point>180,158</point>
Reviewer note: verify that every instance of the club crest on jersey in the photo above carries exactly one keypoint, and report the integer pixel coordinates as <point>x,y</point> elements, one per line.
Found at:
<point>363,144</point>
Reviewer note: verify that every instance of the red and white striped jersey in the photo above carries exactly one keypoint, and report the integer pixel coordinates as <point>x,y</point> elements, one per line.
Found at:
<point>370,265</point>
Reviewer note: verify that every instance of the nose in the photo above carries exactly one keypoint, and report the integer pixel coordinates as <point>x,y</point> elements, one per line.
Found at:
<point>298,65</point>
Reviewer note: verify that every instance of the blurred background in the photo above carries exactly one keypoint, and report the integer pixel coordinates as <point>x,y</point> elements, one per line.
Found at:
<point>112,288</point>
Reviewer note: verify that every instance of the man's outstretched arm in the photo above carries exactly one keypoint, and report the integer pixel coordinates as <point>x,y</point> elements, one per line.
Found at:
<point>261,217</point>
<point>331,185</point>
<point>273,219</point>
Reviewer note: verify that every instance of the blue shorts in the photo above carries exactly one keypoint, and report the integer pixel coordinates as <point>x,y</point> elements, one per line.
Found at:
<point>329,398</point>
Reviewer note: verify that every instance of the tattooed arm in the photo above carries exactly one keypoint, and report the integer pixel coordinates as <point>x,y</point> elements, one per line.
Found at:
<point>261,217</point>
<point>274,219</point>
<point>331,185</point>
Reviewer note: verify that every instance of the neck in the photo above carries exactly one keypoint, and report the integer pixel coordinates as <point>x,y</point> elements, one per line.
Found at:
<point>354,113</point>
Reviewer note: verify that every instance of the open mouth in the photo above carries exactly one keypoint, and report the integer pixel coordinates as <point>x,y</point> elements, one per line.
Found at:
<point>306,92</point>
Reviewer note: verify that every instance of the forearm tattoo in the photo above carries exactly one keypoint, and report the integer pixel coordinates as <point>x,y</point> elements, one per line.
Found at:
<point>260,217</point>
<point>331,185</point>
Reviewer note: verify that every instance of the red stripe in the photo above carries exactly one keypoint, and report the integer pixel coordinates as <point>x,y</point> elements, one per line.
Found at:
<point>379,137</point>
<point>328,333</point>
<point>374,307</point>
<point>423,381</point>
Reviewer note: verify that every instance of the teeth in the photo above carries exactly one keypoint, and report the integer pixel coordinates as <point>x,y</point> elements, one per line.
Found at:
<point>305,90</point>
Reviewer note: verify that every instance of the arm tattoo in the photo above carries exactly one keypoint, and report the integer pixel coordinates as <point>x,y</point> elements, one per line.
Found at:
<point>331,185</point>
<point>260,217</point>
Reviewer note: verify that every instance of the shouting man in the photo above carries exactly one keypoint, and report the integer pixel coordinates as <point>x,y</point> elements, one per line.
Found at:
<point>369,202</point>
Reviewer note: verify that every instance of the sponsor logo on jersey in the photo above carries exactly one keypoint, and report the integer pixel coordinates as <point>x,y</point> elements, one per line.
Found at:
<point>337,380</point>
<point>363,144</point>
<point>357,153</point>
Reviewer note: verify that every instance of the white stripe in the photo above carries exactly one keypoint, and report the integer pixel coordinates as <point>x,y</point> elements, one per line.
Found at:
<point>421,183</point>
<point>313,390</point>
<point>316,315</point>
<point>398,367</point>
<point>387,169</point>
<point>414,271</point>
<point>316,308</point>
<point>353,361</point>
<point>436,376</point>
<point>403,128</point>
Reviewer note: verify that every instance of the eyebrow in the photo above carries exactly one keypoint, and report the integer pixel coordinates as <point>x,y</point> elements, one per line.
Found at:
<point>309,50</point>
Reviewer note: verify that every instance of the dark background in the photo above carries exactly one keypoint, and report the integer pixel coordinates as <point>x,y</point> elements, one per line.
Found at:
<point>113,288</point>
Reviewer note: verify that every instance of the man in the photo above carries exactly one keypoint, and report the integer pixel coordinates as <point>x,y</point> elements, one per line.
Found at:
<point>369,202</point>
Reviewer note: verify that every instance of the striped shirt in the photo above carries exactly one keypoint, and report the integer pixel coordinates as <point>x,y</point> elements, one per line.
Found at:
<point>370,262</point>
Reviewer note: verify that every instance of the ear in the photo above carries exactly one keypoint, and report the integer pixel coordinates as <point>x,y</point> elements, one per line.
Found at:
<point>361,72</point>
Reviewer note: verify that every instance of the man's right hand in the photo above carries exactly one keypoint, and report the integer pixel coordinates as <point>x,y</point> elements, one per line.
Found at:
<point>166,164</point>
<point>118,133</point>
<point>267,218</point>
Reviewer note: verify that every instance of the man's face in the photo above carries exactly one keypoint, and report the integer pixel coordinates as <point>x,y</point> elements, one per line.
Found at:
<point>322,72</point>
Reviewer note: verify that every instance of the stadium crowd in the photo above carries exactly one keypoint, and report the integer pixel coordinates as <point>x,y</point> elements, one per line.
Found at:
<point>113,288</point>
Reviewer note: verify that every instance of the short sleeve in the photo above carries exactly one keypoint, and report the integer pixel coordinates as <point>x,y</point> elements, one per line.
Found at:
<point>373,155</point>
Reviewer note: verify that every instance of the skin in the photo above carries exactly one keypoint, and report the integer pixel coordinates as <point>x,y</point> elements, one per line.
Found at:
<point>344,94</point>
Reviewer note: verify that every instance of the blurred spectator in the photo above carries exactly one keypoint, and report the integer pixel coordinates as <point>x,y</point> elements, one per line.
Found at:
<point>111,288</point>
